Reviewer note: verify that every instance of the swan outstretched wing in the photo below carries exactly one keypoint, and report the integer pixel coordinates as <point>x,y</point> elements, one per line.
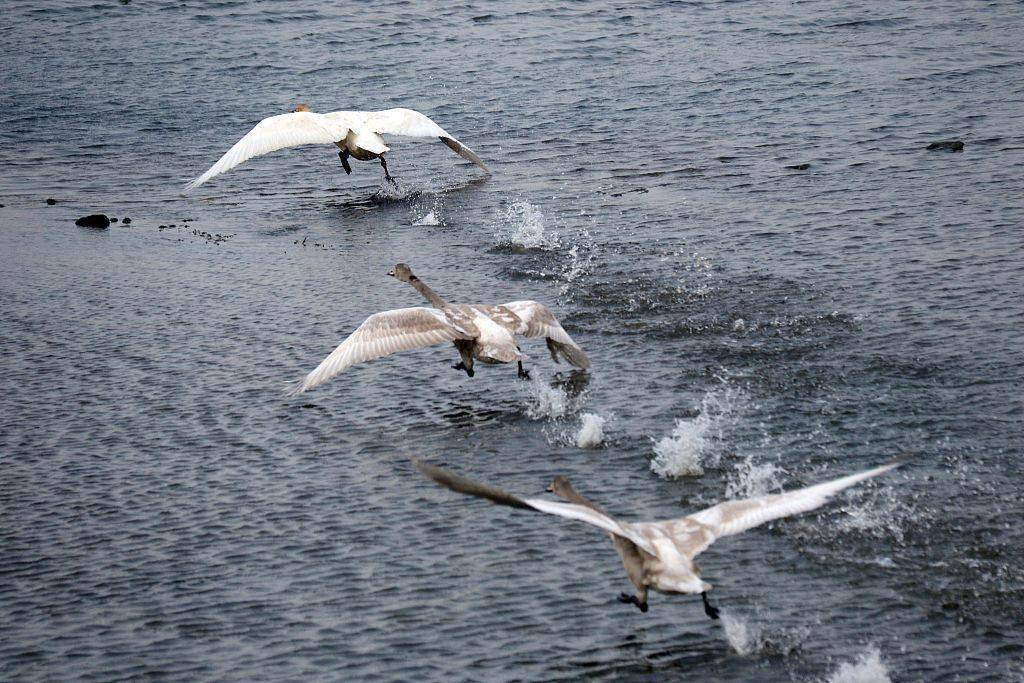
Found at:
<point>274,133</point>
<point>381,334</point>
<point>414,124</point>
<point>539,321</point>
<point>465,485</point>
<point>735,516</point>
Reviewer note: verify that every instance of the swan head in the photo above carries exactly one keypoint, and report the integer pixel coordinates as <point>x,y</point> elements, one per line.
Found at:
<point>561,487</point>
<point>401,272</point>
<point>301,107</point>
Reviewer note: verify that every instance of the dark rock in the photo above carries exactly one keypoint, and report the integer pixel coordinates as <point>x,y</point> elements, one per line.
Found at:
<point>799,167</point>
<point>96,220</point>
<point>51,201</point>
<point>113,220</point>
<point>126,221</point>
<point>1,206</point>
<point>949,606</point>
<point>947,146</point>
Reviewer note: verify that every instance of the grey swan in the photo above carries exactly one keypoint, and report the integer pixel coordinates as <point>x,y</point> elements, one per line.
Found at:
<point>479,332</point>
<point>659,555</point>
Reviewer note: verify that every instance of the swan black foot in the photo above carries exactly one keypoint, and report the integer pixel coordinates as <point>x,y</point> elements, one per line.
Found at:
<point>632,600</point>
<point>712,612</point>
<point>387,176</point>
<point>343,155</point>
<point>462,366</point>
<point>523,373</point>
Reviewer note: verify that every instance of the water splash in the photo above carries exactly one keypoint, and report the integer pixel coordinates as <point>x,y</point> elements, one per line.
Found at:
<point>523,227</point>
<point>878,514</point>
<point>546,401</point>
<point>696,442</point>
<point>579,260</point>
<point>867,668</point>
<point>743,637</point>
<point>750,639</point>
<point>429,219</point>
<point>591,433</point>
<point>751,480</point>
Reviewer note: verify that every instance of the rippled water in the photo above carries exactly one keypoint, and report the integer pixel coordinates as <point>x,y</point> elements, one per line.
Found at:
<point>166,512</point>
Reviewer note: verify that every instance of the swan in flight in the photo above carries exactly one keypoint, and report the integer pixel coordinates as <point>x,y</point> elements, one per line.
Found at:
<point>659,555</point>
<point>356,133</point>
<point>479,332</point>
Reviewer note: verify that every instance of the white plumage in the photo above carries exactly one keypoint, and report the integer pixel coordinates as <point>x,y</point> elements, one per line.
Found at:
<point>356,133</point>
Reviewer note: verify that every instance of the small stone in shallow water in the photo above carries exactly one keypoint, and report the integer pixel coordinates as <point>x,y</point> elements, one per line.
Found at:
<point>947,146</point>
<point>799,167</point>
<point>51,201</point>
<point>113,219</point>
<point>126,221</point>
<point>96,220</point>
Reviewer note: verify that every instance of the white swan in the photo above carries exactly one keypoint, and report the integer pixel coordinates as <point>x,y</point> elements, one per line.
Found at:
<point>659,555</point>
<point>479,332</point>
<point>356,133</point>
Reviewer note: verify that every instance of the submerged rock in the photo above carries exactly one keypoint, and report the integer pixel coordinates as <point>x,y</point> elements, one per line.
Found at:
<point>96,220</point>
<point>51,201</point>
<point>126,221</point>
<point>799,167</point>
<point>947,146</point>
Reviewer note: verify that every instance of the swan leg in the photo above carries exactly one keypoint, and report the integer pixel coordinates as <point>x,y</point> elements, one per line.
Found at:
<point>708,609</point>
<point>462,366</point>
<point>387,176</point>
<point>633,600</point>
<point>523,373</point>
<point>465,348</point>
<point>343,154</point>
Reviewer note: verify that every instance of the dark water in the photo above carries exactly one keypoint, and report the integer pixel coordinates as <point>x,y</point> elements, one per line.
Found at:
<point>165,512</point>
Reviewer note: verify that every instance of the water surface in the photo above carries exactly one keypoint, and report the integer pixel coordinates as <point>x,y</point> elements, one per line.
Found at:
<point>168,513</point>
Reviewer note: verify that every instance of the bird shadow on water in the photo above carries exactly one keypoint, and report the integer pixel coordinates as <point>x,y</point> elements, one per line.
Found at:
<point>636,655</point>
<point>398,195</point>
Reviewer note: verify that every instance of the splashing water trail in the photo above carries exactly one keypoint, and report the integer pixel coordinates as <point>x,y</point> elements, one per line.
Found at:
<point>744,638</point>
<point>752,480</point>
<point>694,441</point>
<point>868,668</point>
<point>523,227</point>
<point>591,433</point>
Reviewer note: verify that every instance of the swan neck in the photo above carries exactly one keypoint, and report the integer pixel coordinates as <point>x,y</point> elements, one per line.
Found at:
<point>428,294</point>
<point>573,496</point>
